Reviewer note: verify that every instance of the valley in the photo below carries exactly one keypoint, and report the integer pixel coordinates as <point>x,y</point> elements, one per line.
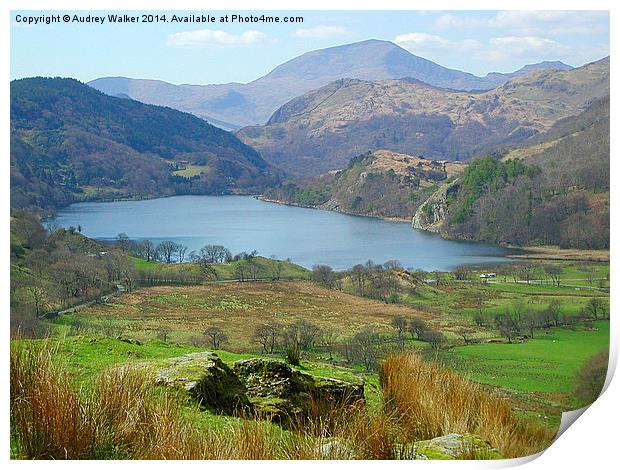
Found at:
<point>361,254</point>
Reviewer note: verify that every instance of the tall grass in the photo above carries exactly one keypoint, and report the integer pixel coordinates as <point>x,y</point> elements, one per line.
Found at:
<point>121,415</point>
<point>431,401</point>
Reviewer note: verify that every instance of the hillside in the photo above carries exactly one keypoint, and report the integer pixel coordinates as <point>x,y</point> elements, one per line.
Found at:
<point>380,184</point>
<point>233,105</point>
<point>553,190</point>
<point>70,142</point>
<point>322,130</point>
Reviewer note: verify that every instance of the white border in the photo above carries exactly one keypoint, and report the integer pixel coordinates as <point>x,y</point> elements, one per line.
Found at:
<point>591,443</point>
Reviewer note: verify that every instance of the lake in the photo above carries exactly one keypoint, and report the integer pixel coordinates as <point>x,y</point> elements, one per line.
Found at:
<point>306,236</point>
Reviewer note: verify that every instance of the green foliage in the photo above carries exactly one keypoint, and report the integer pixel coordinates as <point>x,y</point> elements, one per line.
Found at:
<point>487,174</point>
<point>70,142</point>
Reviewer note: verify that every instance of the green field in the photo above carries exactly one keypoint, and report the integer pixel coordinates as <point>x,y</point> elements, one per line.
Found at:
<point>191,170</point>
<point>267,269</point>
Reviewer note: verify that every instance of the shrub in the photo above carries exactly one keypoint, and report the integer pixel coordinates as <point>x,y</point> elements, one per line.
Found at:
<point>430,401</point>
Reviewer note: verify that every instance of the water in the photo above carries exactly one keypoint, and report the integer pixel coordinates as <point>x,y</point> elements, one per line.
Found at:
<point>306,236</point>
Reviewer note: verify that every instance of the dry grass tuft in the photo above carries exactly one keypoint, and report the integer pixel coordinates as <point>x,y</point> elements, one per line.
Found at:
<point>431,401</point>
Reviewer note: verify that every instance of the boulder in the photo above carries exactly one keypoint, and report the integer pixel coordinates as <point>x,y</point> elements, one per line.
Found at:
<point>335,449</point>
<point>449,447</point>
<point>282,393</point>
<point>208,380</point>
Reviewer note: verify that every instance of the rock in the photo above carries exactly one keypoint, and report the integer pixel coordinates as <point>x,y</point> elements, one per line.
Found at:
<point>335,449</point>
<point>282,393</point>
<point>208,380</point>
<point>431,215</point>
<point>449,447</point>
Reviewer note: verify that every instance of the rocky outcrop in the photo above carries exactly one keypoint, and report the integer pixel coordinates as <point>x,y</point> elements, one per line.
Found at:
<point>208,380</point>
<point>282,393</point>
<point>449,447</point>
<point>431,215</point>
<point>264,387</point>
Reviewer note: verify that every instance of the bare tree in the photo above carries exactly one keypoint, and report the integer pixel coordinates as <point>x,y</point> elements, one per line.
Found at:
<point>435,339</point>
<point>181,252</point>
<point>147,250</point>
<point>323,275</point>
<point>417,327</point>
<point>167,250</point>
<point>163,332</point>
<point>216,336</point>
<point>267,335</point>
<point>399,322</point>
<point>122,241</point>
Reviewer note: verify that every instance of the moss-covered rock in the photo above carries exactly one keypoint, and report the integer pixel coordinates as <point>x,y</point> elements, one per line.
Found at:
<point>282,393</point>
<point>449,447</point>
<point>208,380</point>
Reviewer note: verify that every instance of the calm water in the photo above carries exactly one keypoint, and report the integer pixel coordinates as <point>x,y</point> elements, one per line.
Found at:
<point>307,236</point>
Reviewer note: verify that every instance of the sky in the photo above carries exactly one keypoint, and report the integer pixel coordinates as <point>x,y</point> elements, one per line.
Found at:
<point>200,53</point>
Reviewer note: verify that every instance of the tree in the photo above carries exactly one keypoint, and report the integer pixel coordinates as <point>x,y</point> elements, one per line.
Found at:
<point>462,273</point>
<point>435,339</point>
<point>241,271</point>
<point>466,334</point>
<point>302,334</point>
<point>399,322</point>
<point>211,254</point>
<point>417,327</point>
<point>181,252</point>
<point>531,321</point>
<point>216,336</point>
<point>147,250</point>
<point>359,275</point>
<point>365,348</point>
<point>507,326</point>
<point>37,297</point>
<point>122,241</point>
<point>323,275</point>
<point>267,335</point>
<point>166,250</point>
<point>555,274</point>
<point>163,333</point>
<point>595,307</point>
<point>591,378</point>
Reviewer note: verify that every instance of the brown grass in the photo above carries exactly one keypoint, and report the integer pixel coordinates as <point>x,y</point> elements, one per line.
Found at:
<point>430,401</point>
<point>121,416</point>
<point>238,308</point>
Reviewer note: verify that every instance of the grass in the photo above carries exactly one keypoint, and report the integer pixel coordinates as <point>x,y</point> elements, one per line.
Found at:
<point>238,308</point>
<point>117,414</point>
<point>267,269</point>
<point>191,170</point>
<point>430,401</point>
<point>539,374</point>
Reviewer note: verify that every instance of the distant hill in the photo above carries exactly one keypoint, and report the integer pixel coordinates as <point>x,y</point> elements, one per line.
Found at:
<point>71,142</point>
<point>552,190</point>
<point>233,105</point>
<point>381,183</point>
<point>323,129</point>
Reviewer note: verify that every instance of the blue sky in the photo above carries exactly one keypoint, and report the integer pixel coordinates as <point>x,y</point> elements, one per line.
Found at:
<point>472,41</point>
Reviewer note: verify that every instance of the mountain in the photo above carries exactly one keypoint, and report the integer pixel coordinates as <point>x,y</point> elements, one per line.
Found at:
<point>323,129</point>
<point>551,190</point>
<point>381,184</point>
<point>70,142</point>
<point>233,105</point>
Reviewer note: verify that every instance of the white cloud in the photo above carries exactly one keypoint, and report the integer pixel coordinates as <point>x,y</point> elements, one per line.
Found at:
<point>549,23</point>
<point>210,37</point>
<point>322,32</point>
<point>418,43</point>
<point>504,52</point>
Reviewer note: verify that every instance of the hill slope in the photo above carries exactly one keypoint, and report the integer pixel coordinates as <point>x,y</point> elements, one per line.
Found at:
<point>322,130</point>
<point>553,190</point>
<point>70,142</point>
<point>380,184</point>
<point>233,105</point>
